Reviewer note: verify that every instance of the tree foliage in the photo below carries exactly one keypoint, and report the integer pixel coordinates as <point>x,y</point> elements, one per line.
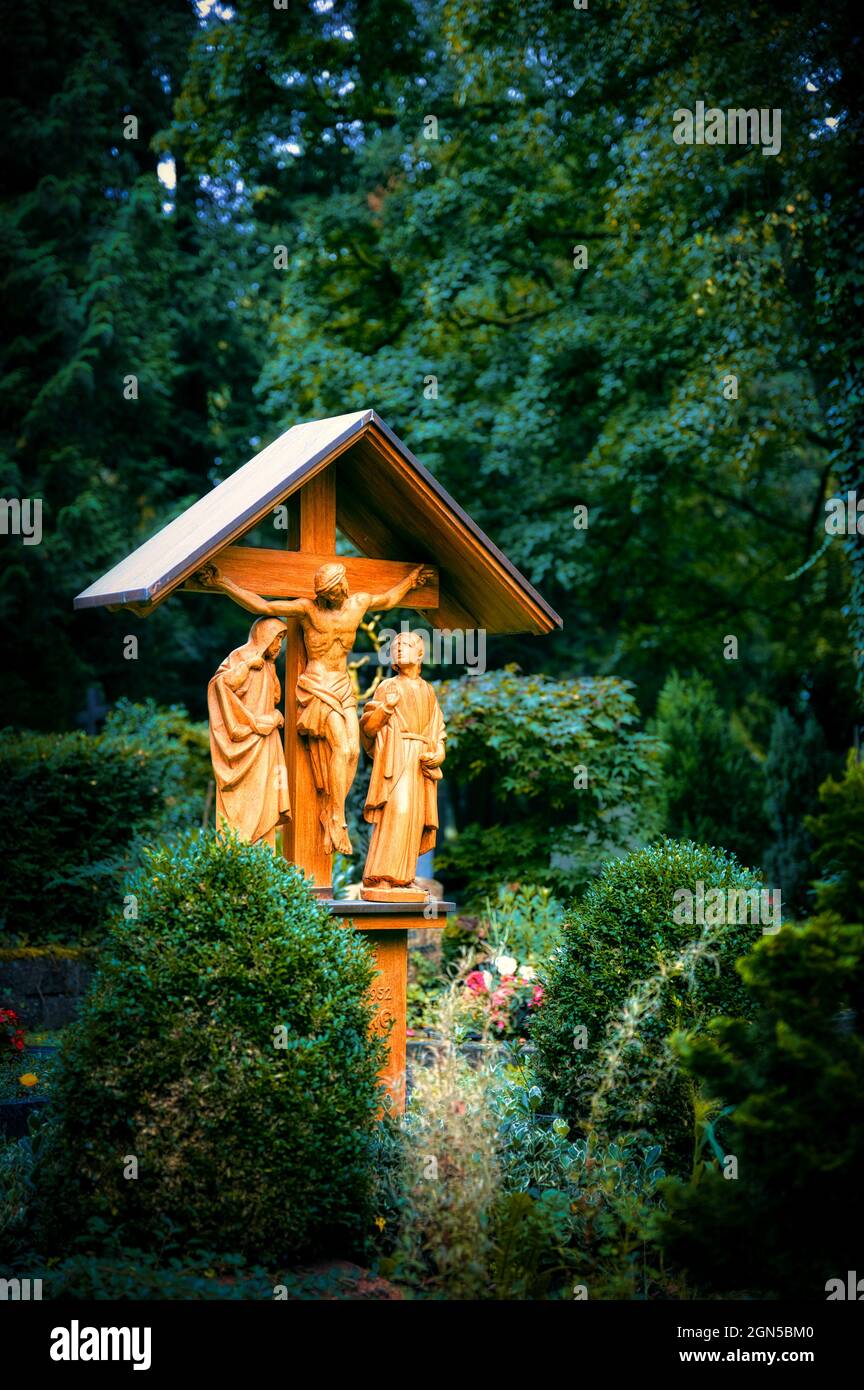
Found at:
<point>712,786</point>
<point>630,970</point>
<point>558,769</point>
<point>78,809</point>
<point>839,833</point>
<point>430,169</point>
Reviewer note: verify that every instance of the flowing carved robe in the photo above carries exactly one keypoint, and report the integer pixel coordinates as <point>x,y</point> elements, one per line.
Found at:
<point>402,803</point>
<point>247,753</point>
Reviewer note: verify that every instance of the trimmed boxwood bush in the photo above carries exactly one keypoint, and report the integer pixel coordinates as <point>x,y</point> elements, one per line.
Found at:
<point>241,1144</point>
<point>621,934</point>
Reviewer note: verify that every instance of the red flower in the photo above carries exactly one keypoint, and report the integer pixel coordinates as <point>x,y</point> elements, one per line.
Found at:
<point>476,982</point>
<point>11,1034</point>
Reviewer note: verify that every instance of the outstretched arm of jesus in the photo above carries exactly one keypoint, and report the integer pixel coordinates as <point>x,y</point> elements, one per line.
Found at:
<point>210,578</point>
<point>393,597</point>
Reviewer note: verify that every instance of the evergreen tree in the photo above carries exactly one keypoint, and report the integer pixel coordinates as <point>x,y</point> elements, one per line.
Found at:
<point>839,833</point>
<point>795,765</point>
<point>122,348</point>
<point>712,787</point>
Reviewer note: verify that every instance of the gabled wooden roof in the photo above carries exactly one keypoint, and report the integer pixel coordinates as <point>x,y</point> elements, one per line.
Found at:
<point>387,503</point>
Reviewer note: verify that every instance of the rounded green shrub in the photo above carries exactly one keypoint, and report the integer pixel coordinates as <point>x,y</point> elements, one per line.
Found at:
<point>220,1087</point>
<point>630,970</point>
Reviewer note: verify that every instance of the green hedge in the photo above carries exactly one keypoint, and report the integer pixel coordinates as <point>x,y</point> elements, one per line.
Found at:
<point>74,809</point>
<point>620,935</point>
<point>242,1145</point>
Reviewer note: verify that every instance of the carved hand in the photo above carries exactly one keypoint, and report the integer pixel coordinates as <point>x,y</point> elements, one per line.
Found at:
<point>392,698</point>
<point>208,577</point>
<point>421,575</point>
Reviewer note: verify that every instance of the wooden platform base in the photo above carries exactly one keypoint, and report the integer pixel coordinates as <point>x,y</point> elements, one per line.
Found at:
<point>385,927</point>
<point>394,895</point>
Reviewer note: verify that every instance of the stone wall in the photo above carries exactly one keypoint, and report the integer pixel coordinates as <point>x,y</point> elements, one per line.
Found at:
<point>44,987</point>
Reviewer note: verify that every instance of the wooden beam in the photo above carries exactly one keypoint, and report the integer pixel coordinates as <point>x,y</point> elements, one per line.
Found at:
<point>479,577</point>
<point>289,573</point>
<point>452,615</point>
<point>389,999</point>
<point>318,514</point>
<point>368,530</point>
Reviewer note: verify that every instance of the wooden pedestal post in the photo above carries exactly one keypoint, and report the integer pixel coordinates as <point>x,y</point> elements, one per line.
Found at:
<point>385,927</point>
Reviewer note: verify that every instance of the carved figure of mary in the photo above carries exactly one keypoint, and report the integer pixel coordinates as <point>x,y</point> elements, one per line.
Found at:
<point>245,736</point>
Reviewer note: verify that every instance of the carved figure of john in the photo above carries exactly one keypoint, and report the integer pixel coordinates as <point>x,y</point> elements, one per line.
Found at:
<point>326,706</point>
<point>403,731</point>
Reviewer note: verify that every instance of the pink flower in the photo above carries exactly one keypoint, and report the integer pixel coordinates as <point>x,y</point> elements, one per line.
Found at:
<point>476,981</point>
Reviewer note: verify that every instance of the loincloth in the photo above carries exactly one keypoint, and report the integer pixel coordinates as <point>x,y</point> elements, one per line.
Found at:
<point>317,700</point>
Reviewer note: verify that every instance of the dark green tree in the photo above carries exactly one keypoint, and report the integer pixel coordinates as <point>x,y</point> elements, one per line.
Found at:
<point>838,830</point>
<point>433,172</point>
<point>795,764</point>
<point>432,273</point>
<point>788,1221</point>
<point>109,275</point>
<point>712,788</point>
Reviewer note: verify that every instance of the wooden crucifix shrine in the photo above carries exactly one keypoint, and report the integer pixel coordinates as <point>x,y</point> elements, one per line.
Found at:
<point>418,550</point>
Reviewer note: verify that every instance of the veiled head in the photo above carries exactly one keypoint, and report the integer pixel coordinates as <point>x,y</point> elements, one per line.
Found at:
<point>266,635</point>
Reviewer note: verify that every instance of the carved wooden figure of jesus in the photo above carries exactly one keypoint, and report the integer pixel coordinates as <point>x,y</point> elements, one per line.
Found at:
<point>326,705</point>
<point>403,729</point>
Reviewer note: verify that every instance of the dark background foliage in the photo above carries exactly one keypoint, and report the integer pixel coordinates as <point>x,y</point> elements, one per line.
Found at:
<point>78,809</point>
<point>453,257</point>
